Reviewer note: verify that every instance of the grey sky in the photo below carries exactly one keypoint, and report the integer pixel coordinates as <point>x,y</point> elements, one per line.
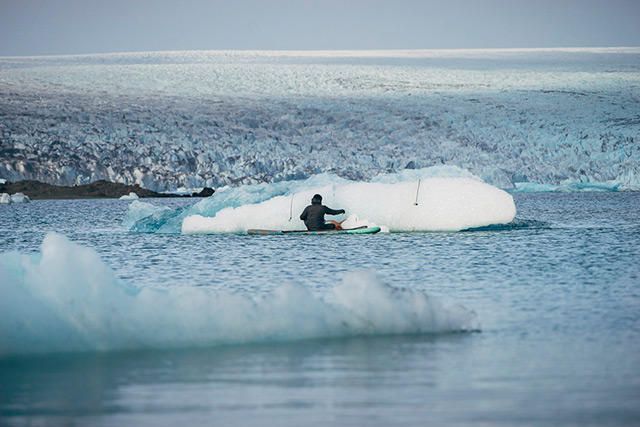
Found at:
<point>33,27</point>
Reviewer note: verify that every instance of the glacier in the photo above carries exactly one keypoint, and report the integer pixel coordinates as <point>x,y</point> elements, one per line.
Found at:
<point>520,119</point>
<point>65,298</point>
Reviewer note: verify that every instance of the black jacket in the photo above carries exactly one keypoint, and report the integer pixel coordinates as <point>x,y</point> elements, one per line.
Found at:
<point>313,217</point>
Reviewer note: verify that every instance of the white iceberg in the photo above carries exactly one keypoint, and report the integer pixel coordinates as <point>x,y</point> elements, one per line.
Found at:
<point>5,199</point>
<point>130,196</point>
<point>430,204</point>
<point>19,198</point>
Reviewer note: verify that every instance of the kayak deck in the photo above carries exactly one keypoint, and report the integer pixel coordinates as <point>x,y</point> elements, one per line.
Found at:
<point>358,230</point>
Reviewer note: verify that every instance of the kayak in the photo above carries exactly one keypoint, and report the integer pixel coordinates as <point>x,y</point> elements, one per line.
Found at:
<point>358,230</point>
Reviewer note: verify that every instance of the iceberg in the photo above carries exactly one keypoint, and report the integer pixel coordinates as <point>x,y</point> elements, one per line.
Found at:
<point>19,198</point>
<point>67,299</point>
<point>432,204</point>
<point>130,196</point>
<point>138,211</point>
<point>448,199</point>
<point>5,199</point>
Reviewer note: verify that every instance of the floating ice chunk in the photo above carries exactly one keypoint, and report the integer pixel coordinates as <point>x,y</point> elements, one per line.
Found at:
<point>171,221</point>
<point>130,196</point>
<point>431,204</point>
<point>20,198</point>
<point>139,210</point>
<point>67,299</point>
<point>5,199</point>
<point>3,181</point>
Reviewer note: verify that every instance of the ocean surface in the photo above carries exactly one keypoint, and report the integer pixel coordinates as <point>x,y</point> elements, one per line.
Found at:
<point>542,325</point>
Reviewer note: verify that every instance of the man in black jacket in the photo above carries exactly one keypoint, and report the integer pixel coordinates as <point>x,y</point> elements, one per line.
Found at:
<point>313,216</point>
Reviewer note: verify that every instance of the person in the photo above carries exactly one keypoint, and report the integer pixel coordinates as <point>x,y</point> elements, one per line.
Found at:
<point>313,216</point>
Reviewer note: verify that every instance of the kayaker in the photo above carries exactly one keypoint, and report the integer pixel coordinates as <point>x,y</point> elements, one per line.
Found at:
<point>313,216</point>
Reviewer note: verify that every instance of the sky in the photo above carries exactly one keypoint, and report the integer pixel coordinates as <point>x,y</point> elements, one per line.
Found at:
<point>41,27</point>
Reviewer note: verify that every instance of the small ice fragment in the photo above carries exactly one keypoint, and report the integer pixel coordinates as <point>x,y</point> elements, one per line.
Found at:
<point>19,198</point>
<point>130,196</point>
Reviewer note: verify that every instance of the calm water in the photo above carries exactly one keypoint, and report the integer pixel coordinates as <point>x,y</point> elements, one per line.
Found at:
<point>558,302</point>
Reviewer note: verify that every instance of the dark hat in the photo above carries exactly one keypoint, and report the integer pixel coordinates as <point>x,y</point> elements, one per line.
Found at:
<point>317,199</point>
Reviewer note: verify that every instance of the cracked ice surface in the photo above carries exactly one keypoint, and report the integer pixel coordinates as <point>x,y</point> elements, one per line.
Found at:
<point>546,118</point>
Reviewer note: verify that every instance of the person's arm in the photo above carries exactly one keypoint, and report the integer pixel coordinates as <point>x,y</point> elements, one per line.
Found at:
<point>303,216</point>
<point>330,211</point>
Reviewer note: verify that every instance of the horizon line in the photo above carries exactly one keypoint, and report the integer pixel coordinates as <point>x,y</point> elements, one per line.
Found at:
<point>320,52</point>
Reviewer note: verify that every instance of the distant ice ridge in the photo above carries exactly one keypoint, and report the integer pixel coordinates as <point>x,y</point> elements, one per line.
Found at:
<point>448,198</point>
<point>166,120</point>
<point>66,299</point>
<point>565,187</point>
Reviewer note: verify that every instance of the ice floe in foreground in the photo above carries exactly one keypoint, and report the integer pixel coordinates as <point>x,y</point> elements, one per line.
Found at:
<point>67,299</point>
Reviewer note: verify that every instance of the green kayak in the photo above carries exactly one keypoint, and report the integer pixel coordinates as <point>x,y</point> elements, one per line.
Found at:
<point>359,230</point>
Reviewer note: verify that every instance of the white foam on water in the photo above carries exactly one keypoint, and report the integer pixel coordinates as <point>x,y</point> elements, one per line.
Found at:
<point>67,299</point>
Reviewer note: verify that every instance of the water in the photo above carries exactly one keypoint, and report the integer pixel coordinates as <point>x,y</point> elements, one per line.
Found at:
<point>557,299</point>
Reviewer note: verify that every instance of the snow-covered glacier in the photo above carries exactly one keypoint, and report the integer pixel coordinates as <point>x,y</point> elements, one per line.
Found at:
<point>528,120</point>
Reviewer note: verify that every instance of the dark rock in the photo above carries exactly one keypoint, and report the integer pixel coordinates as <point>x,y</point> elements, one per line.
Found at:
<point>205,192</point>
<point>96,190</point>
<point>410,165</point>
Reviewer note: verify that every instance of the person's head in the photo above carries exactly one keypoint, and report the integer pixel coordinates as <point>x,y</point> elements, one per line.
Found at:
<point>316,200</point>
